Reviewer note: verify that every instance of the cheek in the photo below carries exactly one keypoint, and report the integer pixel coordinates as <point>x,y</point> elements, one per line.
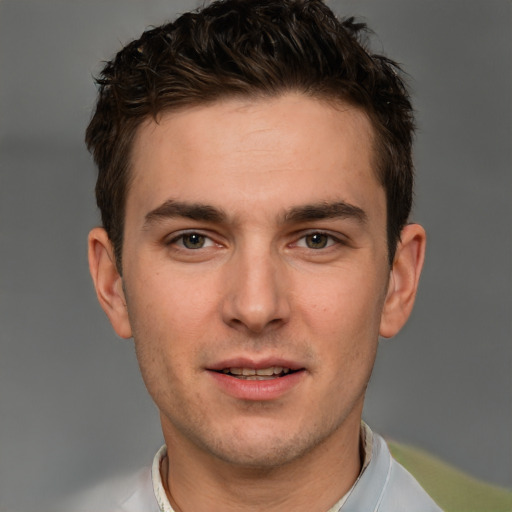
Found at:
<point>343,316</point>
<point>352,301</point>
<point>171,314</point>
<point>172,301</point>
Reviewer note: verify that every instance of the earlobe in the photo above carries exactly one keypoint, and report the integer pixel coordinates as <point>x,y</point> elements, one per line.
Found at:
<point>404,279</point>
<point>108,282</point>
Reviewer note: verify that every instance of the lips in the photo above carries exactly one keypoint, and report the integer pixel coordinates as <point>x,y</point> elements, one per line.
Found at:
<point>255,364</point>
<point>267,379</point>
<point>272,372</point>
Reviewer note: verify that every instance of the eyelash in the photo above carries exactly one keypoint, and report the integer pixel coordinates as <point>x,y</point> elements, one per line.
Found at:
<point>179,242</point>
<point>181,237</point>
<point>330,242</point>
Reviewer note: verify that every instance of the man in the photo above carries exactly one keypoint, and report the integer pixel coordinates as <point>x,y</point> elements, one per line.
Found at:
<point>255,182</point>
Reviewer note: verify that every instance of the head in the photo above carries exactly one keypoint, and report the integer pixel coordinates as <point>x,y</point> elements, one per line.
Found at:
<point>254,182</point>
<point>249,49</point>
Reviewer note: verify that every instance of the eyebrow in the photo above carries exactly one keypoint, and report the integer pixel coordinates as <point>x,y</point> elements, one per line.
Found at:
<point>194,211</point>
<point>207,213</point>
<point>325,210</point>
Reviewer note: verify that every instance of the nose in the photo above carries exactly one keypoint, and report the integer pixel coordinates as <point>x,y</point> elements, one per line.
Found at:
<point>256,295</point>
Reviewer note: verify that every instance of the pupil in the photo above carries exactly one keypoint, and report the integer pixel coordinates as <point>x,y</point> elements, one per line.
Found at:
<point>316,241</point>
<point>193,241</point>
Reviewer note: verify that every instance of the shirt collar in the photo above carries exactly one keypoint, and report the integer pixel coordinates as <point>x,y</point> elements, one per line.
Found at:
<point>165,506</point>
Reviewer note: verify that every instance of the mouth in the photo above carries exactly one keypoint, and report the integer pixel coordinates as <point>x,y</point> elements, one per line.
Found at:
<point>248,379</point>
<point>270,373</point>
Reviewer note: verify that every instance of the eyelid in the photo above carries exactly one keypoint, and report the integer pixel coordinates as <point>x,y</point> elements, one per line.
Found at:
<point>178,235</point>
<point>335,239</point>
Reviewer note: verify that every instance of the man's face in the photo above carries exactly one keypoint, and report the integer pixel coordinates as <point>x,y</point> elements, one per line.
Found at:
<point>255,243</point>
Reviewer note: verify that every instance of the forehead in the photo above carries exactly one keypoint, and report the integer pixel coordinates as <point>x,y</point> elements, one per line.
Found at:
<point>242,153</point>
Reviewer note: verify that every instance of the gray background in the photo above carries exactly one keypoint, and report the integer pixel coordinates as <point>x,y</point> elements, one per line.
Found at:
<point>73,408</point>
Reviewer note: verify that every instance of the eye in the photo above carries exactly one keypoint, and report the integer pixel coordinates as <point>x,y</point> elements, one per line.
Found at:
<point>192,241</point>
<point>317,240</point>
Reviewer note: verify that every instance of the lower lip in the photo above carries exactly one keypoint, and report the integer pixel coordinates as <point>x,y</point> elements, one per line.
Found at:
<point>257,390</point>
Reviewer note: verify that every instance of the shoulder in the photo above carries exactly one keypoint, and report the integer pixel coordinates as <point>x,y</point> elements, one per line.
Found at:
<point>128,493</point>
<point>385,486</point>
<point>451,488</point>
<point>403,492</point>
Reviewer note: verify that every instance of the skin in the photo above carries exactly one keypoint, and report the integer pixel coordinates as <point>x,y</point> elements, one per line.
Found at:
<point>262,280</point>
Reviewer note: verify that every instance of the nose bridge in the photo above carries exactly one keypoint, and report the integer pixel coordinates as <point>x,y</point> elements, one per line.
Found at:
<point>256,292</point>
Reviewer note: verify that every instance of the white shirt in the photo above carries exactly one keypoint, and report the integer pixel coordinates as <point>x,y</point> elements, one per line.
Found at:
<point>382,486</point>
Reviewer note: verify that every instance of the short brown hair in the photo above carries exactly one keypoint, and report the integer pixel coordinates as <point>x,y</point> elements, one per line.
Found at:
<point>249,48</point>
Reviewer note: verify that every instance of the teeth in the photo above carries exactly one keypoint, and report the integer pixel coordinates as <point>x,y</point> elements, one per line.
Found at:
<point>252,373</point>
<point>258,377</point>
<point>265,371</point>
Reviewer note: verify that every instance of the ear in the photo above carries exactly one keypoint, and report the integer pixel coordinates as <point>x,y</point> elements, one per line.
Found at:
<point>108,282</point>
<point>403,280</point>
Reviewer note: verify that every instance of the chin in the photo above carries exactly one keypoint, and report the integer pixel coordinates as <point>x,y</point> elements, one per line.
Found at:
<point>265,449</point>
<point>264,457</point>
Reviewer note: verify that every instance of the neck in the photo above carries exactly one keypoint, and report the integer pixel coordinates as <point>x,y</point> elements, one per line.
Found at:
<point>193,479</point>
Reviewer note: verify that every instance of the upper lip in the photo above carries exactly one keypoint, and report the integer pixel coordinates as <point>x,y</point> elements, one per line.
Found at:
<point>257,364</point>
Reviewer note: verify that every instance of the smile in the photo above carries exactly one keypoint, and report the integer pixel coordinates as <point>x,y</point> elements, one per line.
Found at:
<point>257,381</point>
<point>272,372</point>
